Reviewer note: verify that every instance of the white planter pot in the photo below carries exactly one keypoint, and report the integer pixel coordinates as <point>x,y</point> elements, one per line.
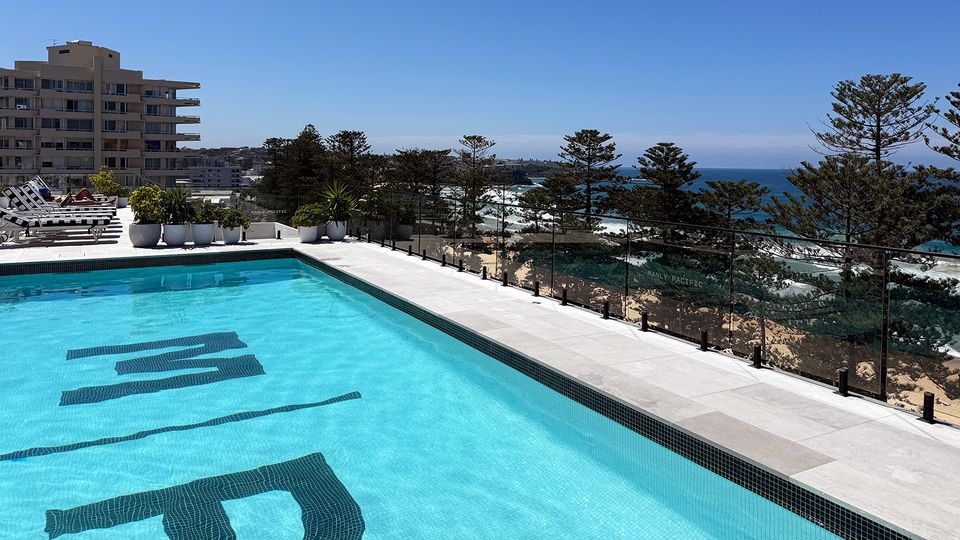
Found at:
<point>122,202</point>
<point>202,233</point>
<point>336,230</point>
<point>4,202</point>
<point>144,234</point>
<point>232,235</point>
<point>175,235</point>
<point>307,234</point>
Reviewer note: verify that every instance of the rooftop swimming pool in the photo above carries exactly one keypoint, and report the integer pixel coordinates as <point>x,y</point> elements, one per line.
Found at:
<point>267,399</point>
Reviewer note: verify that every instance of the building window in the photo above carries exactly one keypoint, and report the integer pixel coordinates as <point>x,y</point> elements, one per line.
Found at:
<point>80,87</point>
<point>23,123</point>
<point>63,51</point>
<point>79,125</point>
<point>22,103</point>
<point>51,84</point>
<point>23,84</point>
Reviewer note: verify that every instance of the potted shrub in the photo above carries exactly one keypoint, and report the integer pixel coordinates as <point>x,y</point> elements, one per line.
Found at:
<point>122,193</point>
<point>105,183</point>
<point>147,203</point>
<point>203,225</point>
<point>233,222</point>
<point>307,220</point>
<point>340,205</point>
<point>178,211</point>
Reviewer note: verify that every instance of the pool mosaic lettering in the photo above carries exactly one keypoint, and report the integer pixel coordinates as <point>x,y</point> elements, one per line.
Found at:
<point>193,511</point>
<point>226,368</point>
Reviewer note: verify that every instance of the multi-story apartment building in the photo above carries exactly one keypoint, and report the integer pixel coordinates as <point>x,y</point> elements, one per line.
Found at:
<point>67,116</point>
<point>215,173</point>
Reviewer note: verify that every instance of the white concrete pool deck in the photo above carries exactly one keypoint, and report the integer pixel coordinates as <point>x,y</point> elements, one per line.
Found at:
<point>876,458</point>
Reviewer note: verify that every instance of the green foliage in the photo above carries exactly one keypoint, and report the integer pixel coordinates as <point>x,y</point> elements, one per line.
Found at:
<point>105,183</point>
<point>475,175</point>
<point>339,203</point>
<point>850,198</point>
<point>589,155</point>
<point>951,145</point>
<point>733,204</point>
<point>147,203</point>
<point>177,207</point>
<point>349,159</point>
<point>876,116</point>
<point>669,173</point>
<point>231,218</point>
<point>103,179</point>
<point>310,215</point>
<point>206,212</point>
<point>537,203</point>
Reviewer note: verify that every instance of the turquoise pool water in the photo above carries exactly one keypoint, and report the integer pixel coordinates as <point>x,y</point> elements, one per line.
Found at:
<point>273,401</point>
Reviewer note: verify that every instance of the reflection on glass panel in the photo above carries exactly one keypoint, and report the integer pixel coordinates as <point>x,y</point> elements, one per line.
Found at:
<point>681,277</point>
<point>814,308</point>
<point>590,261</point>
<point>924,336</point>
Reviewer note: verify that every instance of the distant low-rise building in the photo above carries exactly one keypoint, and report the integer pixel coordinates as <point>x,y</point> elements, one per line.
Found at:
<point>216,176</point>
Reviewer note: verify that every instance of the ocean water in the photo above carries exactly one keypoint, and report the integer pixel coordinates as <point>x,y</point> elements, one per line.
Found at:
<point>269,399</point>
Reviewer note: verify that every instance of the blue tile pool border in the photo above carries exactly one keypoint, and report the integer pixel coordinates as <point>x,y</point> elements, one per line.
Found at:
<point>830,514</point>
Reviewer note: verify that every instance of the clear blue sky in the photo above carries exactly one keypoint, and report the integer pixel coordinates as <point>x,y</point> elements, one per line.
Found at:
<point>734,82</point>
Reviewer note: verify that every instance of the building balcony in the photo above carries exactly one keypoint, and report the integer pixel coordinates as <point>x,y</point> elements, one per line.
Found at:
<point>69,169</point>
<point>65,151</point>
<point>12,169</point>
<point>128,153</point>
<point>174,101</point>
<point>65,113</point>
<point>128,134</point>
<point>14,131</point>
<point>173,136</point>
<point>18,152</point>
<point>127,116</point>
<point>11,91</point>
<point>176,154</point>
<point>179,119</point>
<point>18,111</point>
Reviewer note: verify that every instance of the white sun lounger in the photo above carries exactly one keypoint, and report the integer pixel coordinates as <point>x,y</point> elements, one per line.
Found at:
<point>27,200</point>
<point>14,225</point>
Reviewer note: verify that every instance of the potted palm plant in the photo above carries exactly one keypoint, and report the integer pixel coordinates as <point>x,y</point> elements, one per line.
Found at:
<point>147,203</point>
<point>340,206</point>
<point>233,222</point>
<point>203,225</point>
<point>178,211</point>
<point>307,220</point>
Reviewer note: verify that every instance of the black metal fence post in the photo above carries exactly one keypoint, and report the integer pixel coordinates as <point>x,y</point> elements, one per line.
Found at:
<point>843,382</point>
<point>704,340</point>
<point>460,266</point>
<point>928,407</point>
<point>536,288</point>
<point>563,297</point>
<point>483,273</point>
<point>644,321</point>
<point>505,279</point>
<point>606,309</point>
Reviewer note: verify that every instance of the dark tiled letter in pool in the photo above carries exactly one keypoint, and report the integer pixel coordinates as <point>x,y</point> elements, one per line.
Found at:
<point>226,368</point>
<point>193,511</point>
